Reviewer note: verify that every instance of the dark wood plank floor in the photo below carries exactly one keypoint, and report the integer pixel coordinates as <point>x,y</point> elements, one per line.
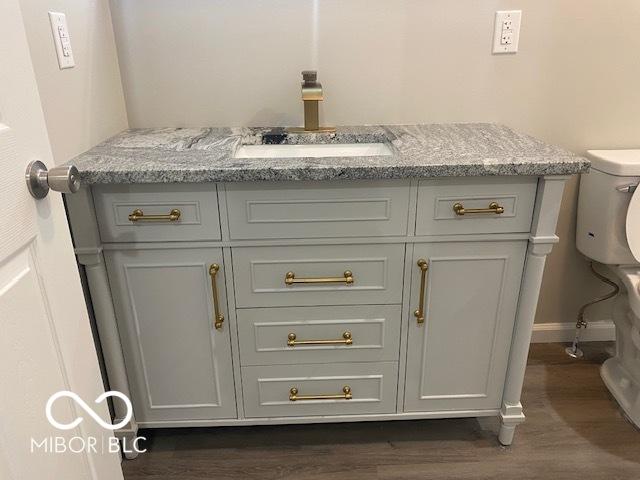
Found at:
<point>574,430</point>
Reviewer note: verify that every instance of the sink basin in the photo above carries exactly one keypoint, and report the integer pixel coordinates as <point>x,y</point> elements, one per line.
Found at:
<point>314,150</point>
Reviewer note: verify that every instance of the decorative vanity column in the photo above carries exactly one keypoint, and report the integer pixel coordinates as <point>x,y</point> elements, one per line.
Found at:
<point>88,250</point>
<point>541,242</point>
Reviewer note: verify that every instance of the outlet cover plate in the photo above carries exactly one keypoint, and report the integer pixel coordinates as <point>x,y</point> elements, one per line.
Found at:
<point>506,34</point>
<point>61,40</point>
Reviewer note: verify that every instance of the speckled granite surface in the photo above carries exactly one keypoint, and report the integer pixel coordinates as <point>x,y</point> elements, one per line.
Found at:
<point>163,155</point>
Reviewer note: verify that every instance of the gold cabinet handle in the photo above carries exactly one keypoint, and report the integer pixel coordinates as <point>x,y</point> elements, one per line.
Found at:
<point>218,318</point>
<point>345,340</point>
<point>493,208</point>
<point>424,266</point>
<point>138,216</point>
<point>347,278</point>
<point>345,395</point>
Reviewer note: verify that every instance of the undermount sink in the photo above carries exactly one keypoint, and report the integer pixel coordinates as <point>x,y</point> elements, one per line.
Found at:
<point>313,150</point>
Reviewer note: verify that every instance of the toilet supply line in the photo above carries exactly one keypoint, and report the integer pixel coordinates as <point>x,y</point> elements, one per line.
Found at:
<point>573,350</point>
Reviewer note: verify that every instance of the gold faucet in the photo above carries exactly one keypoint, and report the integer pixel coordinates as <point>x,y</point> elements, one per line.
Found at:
<point>311,95</point>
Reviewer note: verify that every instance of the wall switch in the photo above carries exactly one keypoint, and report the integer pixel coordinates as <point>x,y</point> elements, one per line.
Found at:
<point>61,40</point>
<point>507,31</point>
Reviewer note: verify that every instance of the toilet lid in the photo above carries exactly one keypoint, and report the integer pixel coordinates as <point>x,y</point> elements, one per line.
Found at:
<point>633,225</point>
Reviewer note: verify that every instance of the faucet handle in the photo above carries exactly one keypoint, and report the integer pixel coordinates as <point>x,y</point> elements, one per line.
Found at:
<point>309,76</point>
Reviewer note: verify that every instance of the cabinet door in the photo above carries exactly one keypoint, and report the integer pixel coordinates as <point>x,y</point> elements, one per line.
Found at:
<point>178,363</point>
<point>457,358</point>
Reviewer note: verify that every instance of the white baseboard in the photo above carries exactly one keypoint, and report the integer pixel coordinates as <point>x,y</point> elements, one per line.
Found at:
<point>597,331</point>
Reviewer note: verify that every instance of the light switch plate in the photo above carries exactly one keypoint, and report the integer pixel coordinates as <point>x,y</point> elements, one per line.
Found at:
<point>506,34</point>
<point>61,40</point>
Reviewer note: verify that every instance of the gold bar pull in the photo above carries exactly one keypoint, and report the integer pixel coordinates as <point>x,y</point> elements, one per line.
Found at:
<point>424,266</point>
<point>493,208</point>
<point>290,279</point>
<point>345,395</point>
<point>138,216</point>
<point>218,318</point>
<point>345,340</point>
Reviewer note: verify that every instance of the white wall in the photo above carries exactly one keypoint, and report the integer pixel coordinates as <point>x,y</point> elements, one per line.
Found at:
<point>237,62</point>
<point>82,105</point>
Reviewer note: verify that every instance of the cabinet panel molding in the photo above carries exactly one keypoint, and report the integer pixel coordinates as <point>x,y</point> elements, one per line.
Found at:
<point>457,358</point>
<point>318,209</point>
<point>438,197</point>
<point>373,334</point>
<point>268,389</point>
<point>197,206</point>
<point>179,364</point>
<point>260,275</point>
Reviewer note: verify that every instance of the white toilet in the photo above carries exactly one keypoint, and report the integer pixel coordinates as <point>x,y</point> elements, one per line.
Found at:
<point>608,231</point>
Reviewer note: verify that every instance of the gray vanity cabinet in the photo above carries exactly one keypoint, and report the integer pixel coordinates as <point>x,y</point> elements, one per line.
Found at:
<point>179,364</point>
<point>323,279</point>
<point>457,357</point>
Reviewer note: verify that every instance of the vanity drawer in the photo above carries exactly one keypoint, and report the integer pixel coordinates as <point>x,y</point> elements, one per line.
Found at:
<point>318,275</point>
<point>271,336</point>
<point>318,209</point>
<point>437,198</point>
<point>268,391</point>
<point>197,205</point>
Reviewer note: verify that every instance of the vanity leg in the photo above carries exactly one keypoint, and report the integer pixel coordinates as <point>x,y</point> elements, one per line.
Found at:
<point>129,444</point>
<point>98,284</point>
<point>541,242</point>
<point>505,437</point>
<point>130,455</point>
<point>88,248</point>
<point>510,417</point>
<point>511,411</point>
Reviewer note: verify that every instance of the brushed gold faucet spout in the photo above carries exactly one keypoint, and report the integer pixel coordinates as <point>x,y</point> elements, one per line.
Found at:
<point>311,95</point>
<point>311,116</point>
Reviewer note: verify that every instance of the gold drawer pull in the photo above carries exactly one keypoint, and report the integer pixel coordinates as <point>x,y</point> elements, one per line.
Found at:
<point>424,266</point>
<point>138,216</point>
<point>345,340</point>
<point>345,395</point>
<point>290,279</point>
<point>218,318</point>
<point>493,208</point>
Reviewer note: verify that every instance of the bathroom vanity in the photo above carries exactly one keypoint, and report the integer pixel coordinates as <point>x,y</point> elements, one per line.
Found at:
<point>234,289</point>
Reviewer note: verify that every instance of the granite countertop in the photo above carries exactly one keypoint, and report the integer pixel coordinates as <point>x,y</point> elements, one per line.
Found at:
<point>164,155</point>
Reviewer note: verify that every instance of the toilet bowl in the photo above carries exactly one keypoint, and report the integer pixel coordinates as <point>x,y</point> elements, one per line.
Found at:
<point>630,277</point>
<point>608,231</point>
<point>621,373</point>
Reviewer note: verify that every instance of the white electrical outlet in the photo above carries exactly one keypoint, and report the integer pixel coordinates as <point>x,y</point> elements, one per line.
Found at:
<point>61,40</point>
<point>507,31</point>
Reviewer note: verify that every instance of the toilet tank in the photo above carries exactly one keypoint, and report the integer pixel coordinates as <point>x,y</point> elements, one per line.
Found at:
<point>603,203</point>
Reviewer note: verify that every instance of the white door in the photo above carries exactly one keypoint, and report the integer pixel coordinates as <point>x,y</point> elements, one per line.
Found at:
<point>45,338</point>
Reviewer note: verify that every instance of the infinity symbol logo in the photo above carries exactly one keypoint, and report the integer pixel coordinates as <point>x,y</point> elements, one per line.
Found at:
<point>88,409</point>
